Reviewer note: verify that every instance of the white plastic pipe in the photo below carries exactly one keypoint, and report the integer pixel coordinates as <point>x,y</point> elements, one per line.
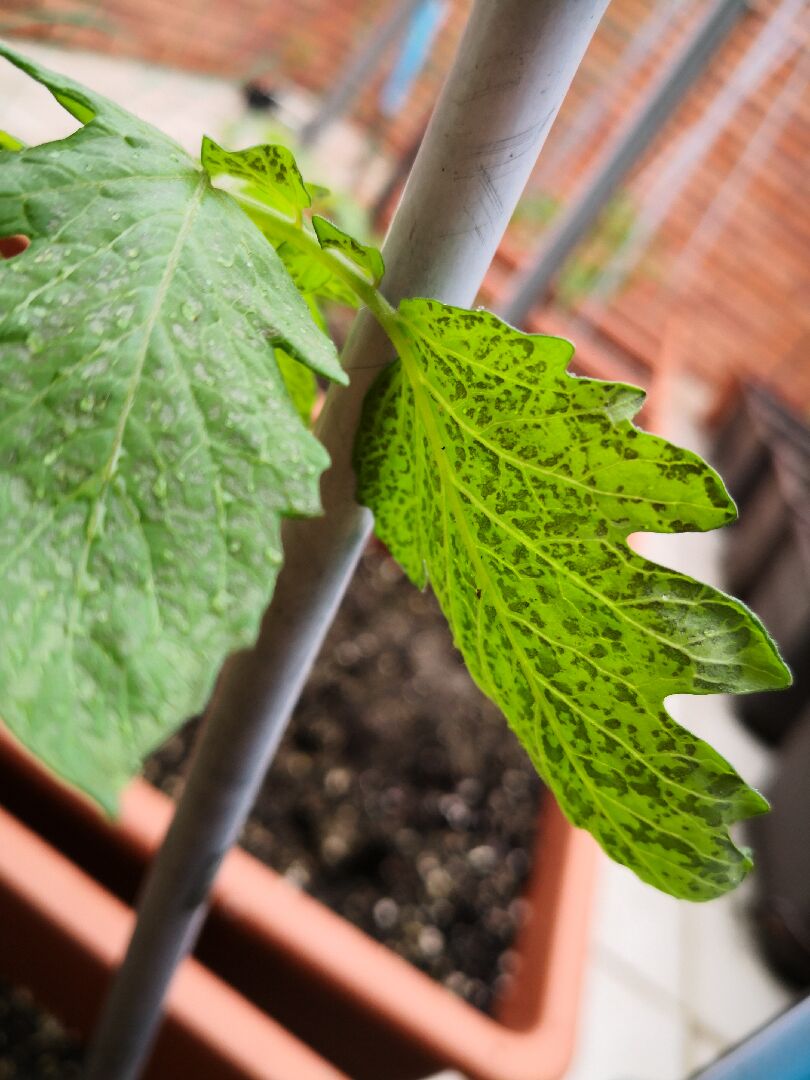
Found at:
<point>514,66</point>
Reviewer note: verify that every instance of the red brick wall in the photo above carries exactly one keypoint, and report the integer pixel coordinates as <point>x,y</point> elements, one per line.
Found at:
<point>749,303</point>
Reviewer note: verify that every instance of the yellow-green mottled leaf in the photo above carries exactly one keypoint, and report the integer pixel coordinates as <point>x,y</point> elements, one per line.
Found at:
<point>512,486</point>
<point>148,447</point>
<point>365,258</point>
<point>9,142</point>
<point>300,383</point>
<point>270,171</point>
<point>317,191</point>
<point>314,278</point>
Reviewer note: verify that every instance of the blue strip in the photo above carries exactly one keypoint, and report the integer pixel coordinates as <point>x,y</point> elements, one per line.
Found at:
<point>419,38</point>
<point>779,1051</point>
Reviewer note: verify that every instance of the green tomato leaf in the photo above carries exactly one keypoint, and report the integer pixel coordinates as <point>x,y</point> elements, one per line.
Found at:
<point>314,278</point>
<point>311,272</point>
<point>317,191</point>
<point>148,447</point>
<point>270,171</point>
<point>512,486</point>
<point>365,258</point>
<point>316,313</point>
<point>9,142</point>
<point>300,384</point>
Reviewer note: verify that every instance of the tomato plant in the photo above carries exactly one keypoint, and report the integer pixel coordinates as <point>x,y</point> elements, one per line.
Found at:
<point>158,351</point>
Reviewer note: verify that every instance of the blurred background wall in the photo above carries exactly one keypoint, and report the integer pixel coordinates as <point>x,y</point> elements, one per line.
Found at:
<point>713,216</point>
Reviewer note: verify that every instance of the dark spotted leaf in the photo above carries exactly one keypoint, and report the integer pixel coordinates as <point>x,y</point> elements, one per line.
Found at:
<point>512,486</point>
<point>365,258</point>
<point>270,171</point>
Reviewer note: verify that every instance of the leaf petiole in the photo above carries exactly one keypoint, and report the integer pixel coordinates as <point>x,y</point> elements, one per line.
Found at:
<point>280,228</point>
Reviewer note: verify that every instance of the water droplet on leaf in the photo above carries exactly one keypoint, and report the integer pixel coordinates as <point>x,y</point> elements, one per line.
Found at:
<point>219,602</point>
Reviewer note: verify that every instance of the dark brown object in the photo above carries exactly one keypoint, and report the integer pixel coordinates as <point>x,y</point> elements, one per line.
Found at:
<point>398,797</point>
<point>782,843</point>
<point>13,245</point>
<point>763,453</point>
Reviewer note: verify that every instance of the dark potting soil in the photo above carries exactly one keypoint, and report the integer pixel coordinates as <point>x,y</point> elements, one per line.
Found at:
<point>399,797</point>
<point>33,1045</point>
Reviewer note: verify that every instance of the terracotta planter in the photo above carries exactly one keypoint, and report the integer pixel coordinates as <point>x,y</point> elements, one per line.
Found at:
<point>270,949</point>
<point>62,934</point>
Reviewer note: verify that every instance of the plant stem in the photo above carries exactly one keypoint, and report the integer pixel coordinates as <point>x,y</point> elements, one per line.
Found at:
<point>514,66</point>
<point>283,228</point>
